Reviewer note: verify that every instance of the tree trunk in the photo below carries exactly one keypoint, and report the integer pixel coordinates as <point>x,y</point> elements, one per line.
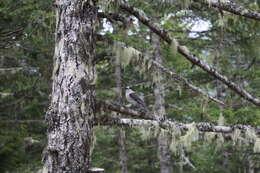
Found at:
<point>121,134</point>
<point>71,112</point>
<point>122,151</point>
<point>164,153</point>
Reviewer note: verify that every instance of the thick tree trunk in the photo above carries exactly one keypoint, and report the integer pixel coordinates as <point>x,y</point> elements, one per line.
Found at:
<point>159,110</point>
<point>71,112</point>
<point>121,134</point>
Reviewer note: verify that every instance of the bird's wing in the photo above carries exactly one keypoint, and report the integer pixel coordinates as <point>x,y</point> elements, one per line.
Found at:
<point>135,97</point>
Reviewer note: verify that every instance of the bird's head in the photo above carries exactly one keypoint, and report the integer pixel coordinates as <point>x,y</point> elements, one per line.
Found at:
<point>127,88</point>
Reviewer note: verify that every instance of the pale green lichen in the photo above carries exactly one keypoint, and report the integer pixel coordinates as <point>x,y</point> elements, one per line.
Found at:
<point>235,135</point>
<point>250,135</point>
<point>220,140</point>
<point>191,135</point>
<point>174,46</point>
<point>209,136</point>
<point>257,145</point>
<point>221,119</point>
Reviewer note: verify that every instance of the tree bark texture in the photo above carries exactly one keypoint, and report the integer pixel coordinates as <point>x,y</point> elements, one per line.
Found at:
<point>122,150</point>
<point>71,112</point>
<point>163,142</point>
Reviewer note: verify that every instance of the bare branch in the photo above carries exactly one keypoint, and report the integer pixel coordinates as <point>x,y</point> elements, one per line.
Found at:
<point>3,94</point>
<point>203,126</point>
<point>115,17</point>
<point>232,8</point>
<point>22,122</point>
<point>106,120</point>
<point>104,105</point>
<point>187,54</point>
<point>11,70</point>
<point>167,124</point>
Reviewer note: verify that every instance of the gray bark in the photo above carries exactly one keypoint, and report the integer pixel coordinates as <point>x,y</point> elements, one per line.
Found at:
<point>249,164</point>
<point>122,151</point>
<point>71,112</point>
<point>232,8</point>
<point>168,124</point>
<point>121,134</point>
<point>163,141</point>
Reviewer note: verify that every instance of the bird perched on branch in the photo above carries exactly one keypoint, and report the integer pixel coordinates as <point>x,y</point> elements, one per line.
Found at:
<point>135,99</point>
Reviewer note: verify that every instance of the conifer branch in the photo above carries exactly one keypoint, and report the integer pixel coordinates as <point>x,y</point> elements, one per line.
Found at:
<point>231,7</point>
<point>141,16</point>
<point>115,17</point>
<point>185,82</point>
<point>175,76</point>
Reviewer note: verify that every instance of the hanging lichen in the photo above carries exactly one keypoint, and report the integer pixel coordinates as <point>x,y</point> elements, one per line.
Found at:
<point>257,145</point>
<point>209,2</point>
<point>250,135</point>
<point>221,119</point>
<point>185,3</point>
<point>220,140</point>
<point>148,131</point>
<point>191,135</point>
<point>145,133</point>
<point>209,136</point>
<point>174,46</point>
<point>174,146</point>
<point>235,135</point>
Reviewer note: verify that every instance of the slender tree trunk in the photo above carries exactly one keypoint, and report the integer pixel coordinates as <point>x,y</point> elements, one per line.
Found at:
<point>71,112</point>
<point>122,151</point>
<point>164,153</point>
<point>249,164</point>
<point>121,134</point>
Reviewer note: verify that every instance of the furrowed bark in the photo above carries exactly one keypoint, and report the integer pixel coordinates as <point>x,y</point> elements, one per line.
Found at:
<point>71,112</point>
<point>232,8</point>
<point>163,142</point>
<point>141,16</point>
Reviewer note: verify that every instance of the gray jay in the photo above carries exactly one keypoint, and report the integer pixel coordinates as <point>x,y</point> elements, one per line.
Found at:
<point>133,98</point>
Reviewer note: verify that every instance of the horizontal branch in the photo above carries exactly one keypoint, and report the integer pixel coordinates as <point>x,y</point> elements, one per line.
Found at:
<point>12,70</point>
<point>148,120</point>
<point>203,126</point>
<point>115,17</point>
<point>3,94</point>
<point>104,105</point>
<point>22,122</point>
<point>231,7</point>
<point>141,16</point>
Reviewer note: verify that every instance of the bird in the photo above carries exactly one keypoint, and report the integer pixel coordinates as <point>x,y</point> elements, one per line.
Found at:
<point>133,98</point>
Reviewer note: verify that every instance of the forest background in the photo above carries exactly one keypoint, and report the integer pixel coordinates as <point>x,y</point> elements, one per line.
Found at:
<point>228,42</point>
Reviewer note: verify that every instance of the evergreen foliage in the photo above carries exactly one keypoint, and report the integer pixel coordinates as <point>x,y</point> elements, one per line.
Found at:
<point>226,41</point>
